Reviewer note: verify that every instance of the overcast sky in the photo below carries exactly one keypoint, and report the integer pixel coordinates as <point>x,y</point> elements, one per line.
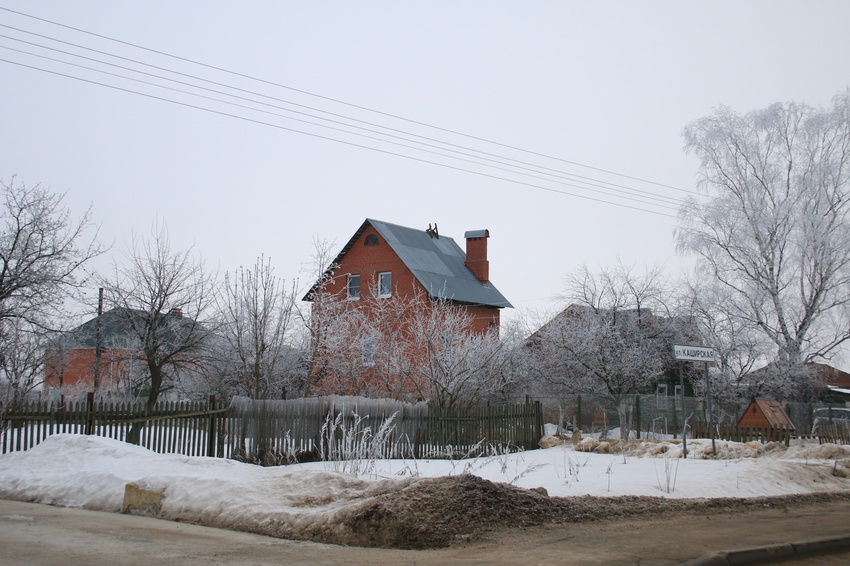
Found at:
<point>585,88</point>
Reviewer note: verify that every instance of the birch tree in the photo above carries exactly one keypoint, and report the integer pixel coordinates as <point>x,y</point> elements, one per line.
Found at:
<point>774,228</point>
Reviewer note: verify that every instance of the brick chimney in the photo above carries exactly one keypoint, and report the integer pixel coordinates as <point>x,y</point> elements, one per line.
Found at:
<point>476,254</point>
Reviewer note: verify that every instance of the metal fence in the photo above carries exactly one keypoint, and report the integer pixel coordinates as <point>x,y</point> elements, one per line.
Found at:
<point>660,415</point>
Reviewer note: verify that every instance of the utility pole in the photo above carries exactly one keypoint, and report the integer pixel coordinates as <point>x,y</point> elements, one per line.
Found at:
<point>98,339</point>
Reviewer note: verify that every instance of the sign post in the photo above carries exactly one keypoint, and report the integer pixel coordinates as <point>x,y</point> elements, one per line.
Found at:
<point>695,354</point>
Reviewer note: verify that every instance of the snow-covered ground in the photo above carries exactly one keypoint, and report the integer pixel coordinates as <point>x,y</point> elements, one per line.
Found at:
<point>91,472</point>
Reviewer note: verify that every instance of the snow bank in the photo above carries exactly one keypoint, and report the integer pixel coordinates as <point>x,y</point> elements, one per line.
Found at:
<point>313,501</point>
<point>91,472</point>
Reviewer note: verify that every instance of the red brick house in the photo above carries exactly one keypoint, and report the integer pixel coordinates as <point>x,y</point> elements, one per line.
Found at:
<point>71,359</point>
<point>385,265</point>
<point>70,362</point>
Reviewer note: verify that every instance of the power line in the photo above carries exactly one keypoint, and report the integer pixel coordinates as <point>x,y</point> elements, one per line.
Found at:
<point>278,126</point>
<point>665,202</point>
<point>501,159</point>
<point>502,163</point>
<point>342,102</point>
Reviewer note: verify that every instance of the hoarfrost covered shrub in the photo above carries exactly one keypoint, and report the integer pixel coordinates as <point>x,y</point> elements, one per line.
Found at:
<point>350,447</point>
<point>667,479</point>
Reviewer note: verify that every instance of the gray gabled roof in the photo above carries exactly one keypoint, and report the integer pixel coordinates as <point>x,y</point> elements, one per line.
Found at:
<point>438,263</point>
<point>117,329</point>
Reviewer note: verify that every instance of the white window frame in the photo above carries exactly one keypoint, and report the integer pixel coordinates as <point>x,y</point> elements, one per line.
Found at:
<point>369,345</point>
<point>385,291</point>
<point>661,396</point>
<point>448,340</point>
<point>349,287</point>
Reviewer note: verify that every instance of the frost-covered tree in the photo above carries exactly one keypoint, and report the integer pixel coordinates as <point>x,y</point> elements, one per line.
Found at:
<point>739,348</point>
<point>775,230</point>
<point>408,347</point>
<point>21,361</point>
<point>161,296</point>
<point>357,348</point>
<point>449,363</point>
<point>259,353</point>
<point>42,251</point>
<point>613,341</point>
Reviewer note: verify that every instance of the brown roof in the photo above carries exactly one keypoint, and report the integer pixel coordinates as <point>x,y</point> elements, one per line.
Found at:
<point>820,375</point>
<point>773,413</point>
<point>829,376</point>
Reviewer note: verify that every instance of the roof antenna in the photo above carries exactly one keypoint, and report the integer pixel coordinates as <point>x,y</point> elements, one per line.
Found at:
<point>432,232</point>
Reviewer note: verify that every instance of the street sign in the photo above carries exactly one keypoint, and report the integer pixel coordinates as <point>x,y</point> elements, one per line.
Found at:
<point>693,353</point>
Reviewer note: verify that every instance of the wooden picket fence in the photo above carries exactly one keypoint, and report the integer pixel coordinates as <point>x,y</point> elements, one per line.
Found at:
<point>355,427</point>
<point>276,432</point>
<point>191,428</point>
<point>467,430</point>
<point>733,433</point>
<point>833,433</point>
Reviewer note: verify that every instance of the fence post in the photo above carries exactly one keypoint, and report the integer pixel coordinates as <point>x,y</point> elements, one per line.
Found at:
<point>211,428</point>
<point>578,412</point>
<point>637,417</point>
<point>538,418</point>
<point>89,412</point>
<point>675,418</point>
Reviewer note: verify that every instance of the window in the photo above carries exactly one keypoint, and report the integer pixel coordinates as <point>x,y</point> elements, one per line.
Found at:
<point>369,350</point>
<point>661,396</point>
<point>448,346</point>
<point>371,240</point>
<point>353,287</point>
<point>385,285</point>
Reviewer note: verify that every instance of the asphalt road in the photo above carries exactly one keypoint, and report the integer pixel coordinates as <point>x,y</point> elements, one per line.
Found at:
<point>32,534</point>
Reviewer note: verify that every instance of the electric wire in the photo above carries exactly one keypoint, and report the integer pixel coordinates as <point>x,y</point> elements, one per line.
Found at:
<point>665,202</point>
<point>605,185</point>
<point>627,189</point>
<point>280,127</point>
<point>337,101</point>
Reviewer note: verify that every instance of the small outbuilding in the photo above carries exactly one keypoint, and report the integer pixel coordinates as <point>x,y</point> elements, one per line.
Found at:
<point>769,417</point>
